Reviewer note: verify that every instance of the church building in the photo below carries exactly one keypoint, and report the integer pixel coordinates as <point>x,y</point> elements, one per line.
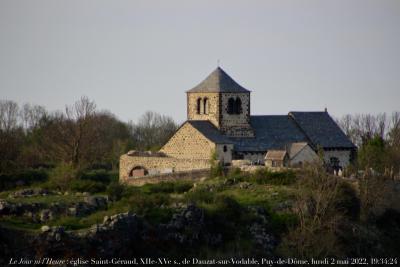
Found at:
<point>219,121</point>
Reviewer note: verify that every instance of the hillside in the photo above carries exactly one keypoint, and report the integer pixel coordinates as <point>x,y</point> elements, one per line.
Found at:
<point>303,213</point>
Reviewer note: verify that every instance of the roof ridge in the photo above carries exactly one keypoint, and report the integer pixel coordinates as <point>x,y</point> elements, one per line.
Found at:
<point>218,81</point>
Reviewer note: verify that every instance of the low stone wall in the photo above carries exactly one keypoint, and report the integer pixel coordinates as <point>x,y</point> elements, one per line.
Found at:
<point>159,165</point>
<point>168,177</point>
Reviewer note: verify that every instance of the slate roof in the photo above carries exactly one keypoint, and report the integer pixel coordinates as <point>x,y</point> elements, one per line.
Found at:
<point>218,82</point>
<point>210,131</point>
<point>321,129</point>
<point>271,132</point>
<point>278,132</point>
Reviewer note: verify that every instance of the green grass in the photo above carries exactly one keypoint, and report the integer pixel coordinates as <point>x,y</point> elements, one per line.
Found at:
<point>49,199</point>
<point>19,223</point>
<point>221,197</point>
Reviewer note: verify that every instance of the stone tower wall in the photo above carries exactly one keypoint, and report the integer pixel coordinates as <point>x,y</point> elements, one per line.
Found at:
<point>213,107</point>
<point>237,125</point>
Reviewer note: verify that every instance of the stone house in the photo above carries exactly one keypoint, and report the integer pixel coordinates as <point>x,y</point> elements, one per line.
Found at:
<point>219,121</point>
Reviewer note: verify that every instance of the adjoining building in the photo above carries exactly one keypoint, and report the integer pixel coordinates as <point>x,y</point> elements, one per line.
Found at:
<point>219,121</point>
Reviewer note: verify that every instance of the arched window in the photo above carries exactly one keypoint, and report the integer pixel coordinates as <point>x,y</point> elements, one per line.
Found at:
<point>231,106</point>
<point>198,105</point>
<point>238,106</point>
<point>205,103</point>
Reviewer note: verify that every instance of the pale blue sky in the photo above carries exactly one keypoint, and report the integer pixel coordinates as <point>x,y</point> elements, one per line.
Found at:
<point>133,56</point>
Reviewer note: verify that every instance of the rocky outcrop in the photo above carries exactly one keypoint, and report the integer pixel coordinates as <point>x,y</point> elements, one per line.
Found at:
<point>9,208</point>
<point>189,228</point>
<point>30,192</point>
<point>128,235</point>
<point>40,212</point>
<point>262,237</point>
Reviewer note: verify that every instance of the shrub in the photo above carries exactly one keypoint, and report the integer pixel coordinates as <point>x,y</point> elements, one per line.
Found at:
<point>115,191</point>
<point>87,186</point>
<point>264,176</point>
<point>227,207</point>
<point>62,176</point>
<point>347,201</point>
<point>26,177</point>
<point>96,175</point>
<point>216,169</point>
<point>200,195</point>
<point>168,187</point>
<point>143,203</point>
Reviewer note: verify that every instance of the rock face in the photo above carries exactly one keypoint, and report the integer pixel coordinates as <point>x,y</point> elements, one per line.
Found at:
<point>40,212</point>
<point>189,228</point>
<point>8,208</point>
<point>127,235</point>
<point>259,230</point>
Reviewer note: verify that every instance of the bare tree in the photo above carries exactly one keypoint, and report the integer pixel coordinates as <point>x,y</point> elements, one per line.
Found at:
<point>8,115</point>
<point>31,115</point>
<point>152,130</point>
<point>70,134</point>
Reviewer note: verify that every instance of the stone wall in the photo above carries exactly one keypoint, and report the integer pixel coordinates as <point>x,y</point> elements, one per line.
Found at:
<point>253,157</point>
<point>168,177</point>
<point>159,165</point>
<point>342,155</point>
<point>237,125</point>
<point>213,107</point>
<point>224,155</point>
<point>188,143</point>
<point>307,154</point>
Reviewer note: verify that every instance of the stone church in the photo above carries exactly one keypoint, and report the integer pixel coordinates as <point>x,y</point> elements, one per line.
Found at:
<point>219,121</point>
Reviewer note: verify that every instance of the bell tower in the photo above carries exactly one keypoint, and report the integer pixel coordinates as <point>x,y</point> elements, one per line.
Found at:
<point>223,102</point>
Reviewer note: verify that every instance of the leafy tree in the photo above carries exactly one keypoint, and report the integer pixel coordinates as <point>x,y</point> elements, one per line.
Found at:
<point>373,154</point>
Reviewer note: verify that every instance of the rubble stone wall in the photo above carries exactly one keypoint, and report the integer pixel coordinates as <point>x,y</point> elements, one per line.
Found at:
<point>159,165</point>
<point>188,143</point>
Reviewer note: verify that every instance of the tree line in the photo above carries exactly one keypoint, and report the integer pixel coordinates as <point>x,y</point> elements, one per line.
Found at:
<point>377,138</point>
<point>80,135</point>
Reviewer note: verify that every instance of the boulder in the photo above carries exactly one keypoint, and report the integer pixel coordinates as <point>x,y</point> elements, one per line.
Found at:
<point>45,228</point>
<point>46,215</point>
<point>98,202</point>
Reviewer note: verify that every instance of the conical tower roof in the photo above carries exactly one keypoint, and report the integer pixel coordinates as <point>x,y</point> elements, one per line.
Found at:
<point>218,82</point>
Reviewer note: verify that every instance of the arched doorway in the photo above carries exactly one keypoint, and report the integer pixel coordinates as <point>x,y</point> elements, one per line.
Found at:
<point>138,171</point>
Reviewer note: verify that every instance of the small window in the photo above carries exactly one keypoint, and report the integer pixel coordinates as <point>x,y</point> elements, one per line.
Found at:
<point>205,109</point>
<point>231,106</point>
<point>225,149</point>
<point>238,106</point>
<point>199,106</point>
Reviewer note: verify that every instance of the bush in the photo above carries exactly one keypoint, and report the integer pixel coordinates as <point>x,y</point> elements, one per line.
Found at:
<point>168,187</point>
<point>200,195</point>
<point>115,191</point>
<point>264,176</point>
<point>87,186</point>
<point>347,201</point>
<point>62,176</point>
<point>26,177</point>
<point>227,207</point>
<point>101,176</point>
<point>143,203</point>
